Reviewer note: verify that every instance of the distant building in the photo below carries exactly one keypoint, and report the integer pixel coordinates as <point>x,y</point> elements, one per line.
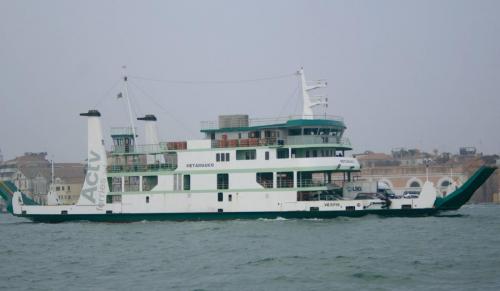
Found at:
<point>30,173</point>
<point>68,181</point>
<point>405,171</point>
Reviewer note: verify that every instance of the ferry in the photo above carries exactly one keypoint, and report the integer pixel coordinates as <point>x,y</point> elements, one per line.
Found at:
<point>294,167</point>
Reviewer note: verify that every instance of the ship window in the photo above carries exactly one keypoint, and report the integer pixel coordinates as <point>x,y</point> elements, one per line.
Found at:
<point>187,182</point>
<point>246,154</point>
<point>222,181</point>
<point>267,155</point>
<point>109,199</point>
<point>115,184</point>
<point>217,157</point>
<point>265,179</point>
<point>58,188</point>
<point>69,188</point>
<point>310,131</point>
<point>220,197</point>
<point>222,157</point>
<point>149,182</point>
<point>147,199</point>
<point>230,197</point>
<point>284,179</point>
<point>307,154</point>
<point>315,153</point>
<point>239,135</point>
<point>131,183</point>
<point>227,157</point>
<point>282,153</point>
<point>295,131</point>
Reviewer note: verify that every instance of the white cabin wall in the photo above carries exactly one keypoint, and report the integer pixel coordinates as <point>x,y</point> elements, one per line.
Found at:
<point>165,182</point>
<point>204,181</point>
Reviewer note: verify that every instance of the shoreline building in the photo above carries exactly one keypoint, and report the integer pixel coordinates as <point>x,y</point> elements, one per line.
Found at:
<point>406,170</point>
<point>32,175</point>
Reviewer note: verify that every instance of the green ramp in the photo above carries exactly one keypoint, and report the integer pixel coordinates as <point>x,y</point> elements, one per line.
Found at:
<point>459,197</point>
<point>7,189</point>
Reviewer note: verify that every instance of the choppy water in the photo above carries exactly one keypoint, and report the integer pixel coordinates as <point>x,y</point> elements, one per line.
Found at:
<point>457,252</point>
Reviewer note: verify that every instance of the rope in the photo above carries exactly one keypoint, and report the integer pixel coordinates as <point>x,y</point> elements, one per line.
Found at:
<point>103,97</point>
<point>213,82</point>
<point>287,102</point>
<point>161,106</point>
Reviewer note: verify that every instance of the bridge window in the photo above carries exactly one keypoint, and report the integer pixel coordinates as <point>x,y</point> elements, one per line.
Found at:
<point>310,131</point>
<point>267,155</point>
<point>295,131</point>
<point>282,153</point>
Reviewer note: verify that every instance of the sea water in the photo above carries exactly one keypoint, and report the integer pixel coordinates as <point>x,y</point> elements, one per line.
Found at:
<point>455,251</point>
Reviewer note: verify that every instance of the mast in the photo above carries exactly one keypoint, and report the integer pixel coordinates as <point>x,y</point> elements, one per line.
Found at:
<point>125,91</point>
<point>308,101</point>
<point>52,171</point>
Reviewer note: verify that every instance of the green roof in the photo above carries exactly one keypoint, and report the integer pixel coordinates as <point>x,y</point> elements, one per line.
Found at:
<point>289,124</point>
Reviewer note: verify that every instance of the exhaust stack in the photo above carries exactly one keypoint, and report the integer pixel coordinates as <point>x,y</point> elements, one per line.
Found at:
<point>151,138</point>
<point>95,187</point>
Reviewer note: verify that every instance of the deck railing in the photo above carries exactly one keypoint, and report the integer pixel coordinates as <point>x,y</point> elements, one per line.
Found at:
<point>303,183</point>
<point>140,149</point>
<point>141,168</point>
<point>234,143</point>
<point>291,140</point>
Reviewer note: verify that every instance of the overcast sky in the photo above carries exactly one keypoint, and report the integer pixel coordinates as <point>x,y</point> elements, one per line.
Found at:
<point>422,74</point>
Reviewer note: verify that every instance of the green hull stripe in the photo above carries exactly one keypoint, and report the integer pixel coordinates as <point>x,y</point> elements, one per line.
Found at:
<point>220,190</point>
<point>225,215</point>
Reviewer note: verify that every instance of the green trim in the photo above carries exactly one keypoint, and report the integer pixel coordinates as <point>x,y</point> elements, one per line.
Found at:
<point>7,189</point>
<point>129,217</point>
<point>219,190</point>
<point>288,124</point>
<point>249,170</point>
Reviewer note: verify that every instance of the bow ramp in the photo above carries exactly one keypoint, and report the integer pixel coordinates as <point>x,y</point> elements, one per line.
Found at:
<point>460,196</point>
<point>7,190</point>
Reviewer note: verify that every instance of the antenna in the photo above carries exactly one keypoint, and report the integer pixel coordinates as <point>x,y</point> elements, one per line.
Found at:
<point>125,90</point>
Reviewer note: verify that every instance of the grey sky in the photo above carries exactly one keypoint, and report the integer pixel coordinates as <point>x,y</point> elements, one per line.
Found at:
<point>402,73</point>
